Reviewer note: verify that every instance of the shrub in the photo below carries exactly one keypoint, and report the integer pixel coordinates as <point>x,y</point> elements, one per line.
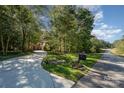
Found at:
<point>50,58</point>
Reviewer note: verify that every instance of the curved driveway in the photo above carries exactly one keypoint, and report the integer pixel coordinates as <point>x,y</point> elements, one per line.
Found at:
<point>26,71</point>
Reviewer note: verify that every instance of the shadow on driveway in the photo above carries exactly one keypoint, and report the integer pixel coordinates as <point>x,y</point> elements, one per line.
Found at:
<point>108,72</point>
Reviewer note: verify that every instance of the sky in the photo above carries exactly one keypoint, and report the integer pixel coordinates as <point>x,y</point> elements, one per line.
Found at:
<point>109,22</point>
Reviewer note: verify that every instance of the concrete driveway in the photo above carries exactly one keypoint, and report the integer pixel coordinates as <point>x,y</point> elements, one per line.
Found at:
<point>27,72</point>
<point>107,73</point>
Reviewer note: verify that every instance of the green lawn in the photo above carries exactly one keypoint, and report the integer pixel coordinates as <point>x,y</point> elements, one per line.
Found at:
<point>12,55</point>
<point>66,70</point>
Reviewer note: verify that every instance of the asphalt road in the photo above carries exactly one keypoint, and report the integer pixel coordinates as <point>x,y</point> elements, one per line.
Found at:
<point>107,73</point>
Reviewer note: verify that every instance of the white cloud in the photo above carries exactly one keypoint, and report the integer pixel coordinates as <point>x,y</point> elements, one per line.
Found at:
<point>96,10</point>
<point>98,16</point>
<point>106,32</point>
<point>104,26</point>
<point>92,8</point>
<point>116,31</point>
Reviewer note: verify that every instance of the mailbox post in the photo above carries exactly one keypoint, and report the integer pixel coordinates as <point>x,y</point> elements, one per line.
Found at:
<point>82,56</point>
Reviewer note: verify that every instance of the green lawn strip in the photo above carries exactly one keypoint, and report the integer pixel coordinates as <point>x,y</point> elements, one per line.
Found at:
<point>12,55</point>
<point>64,71</point>
<point>67,71</point>
<point>91,60</point>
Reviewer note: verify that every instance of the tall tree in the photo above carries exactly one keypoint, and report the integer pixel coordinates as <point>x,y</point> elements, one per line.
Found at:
<point>18,29</point>
<point>72,27</point>
<point>27,24</point>
<point>85,25</point>
<point>7,19</point>
<point>63,23</point>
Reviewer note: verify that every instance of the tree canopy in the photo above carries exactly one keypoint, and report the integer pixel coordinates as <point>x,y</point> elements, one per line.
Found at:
<point>18,28</point>
<point>70,28</point>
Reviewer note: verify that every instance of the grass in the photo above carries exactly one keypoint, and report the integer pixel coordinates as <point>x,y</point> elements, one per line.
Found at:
<point>115,51</point>
<point>91,60</point>
<point>65,70</point>
<point>12,55</point>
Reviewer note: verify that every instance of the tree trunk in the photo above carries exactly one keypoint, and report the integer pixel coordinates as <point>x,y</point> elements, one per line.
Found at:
<point>7,43</point>
<point>23,40</point>
<point>65,50</point>
<point>61,42</point>
<point>43,45</point>
<point>3,47</point>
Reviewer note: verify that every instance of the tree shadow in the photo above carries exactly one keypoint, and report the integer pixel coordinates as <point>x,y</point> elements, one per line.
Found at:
<point>102,66</point>
<point>107,56</point>
<point>107,73</point>
<point>96,80</point>
<point>24,72</point>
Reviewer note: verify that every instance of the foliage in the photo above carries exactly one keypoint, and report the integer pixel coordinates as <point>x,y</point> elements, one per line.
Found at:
<point>70,73</point>
<point>54,58</point>
<point>97,44</point>
<point>18,29</point>
<point>119,46</point>
<point>71,29</point>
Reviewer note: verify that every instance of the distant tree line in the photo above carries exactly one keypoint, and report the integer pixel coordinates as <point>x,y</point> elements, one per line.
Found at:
<point>98,44</point>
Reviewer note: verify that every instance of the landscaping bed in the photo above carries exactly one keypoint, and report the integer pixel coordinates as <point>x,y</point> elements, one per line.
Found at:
<point>62,65</point>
